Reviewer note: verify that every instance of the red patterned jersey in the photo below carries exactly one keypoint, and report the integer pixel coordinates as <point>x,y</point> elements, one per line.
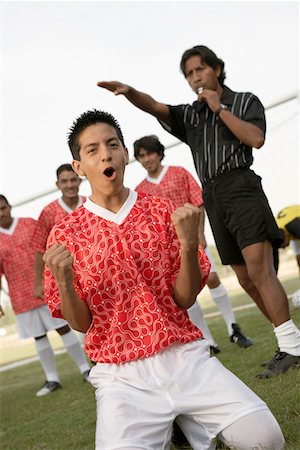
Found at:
<point>17,264</point>
<point>174,183</point>
<point>50,215</point>
<point>125,267</point>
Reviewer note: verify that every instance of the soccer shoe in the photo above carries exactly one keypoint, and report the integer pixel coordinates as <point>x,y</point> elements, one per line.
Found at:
<point>179,441</point>
<point>85,376</point>
<point>239,338</point>
<point>214,349</point>
<point>296,299</point>
<point>281,363</point>
<point>48,386</point>
<point>268,363</point>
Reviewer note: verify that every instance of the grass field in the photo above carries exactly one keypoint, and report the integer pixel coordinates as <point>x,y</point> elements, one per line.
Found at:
<point>66,418</point>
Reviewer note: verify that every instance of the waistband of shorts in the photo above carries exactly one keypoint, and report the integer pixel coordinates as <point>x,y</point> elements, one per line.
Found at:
<point>222,176</point>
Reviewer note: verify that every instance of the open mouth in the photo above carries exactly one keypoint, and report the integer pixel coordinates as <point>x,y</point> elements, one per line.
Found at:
<point>109,171</point>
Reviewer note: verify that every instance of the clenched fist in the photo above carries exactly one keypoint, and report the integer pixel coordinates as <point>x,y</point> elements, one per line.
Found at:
<point>186,222</point>
<point>59,260</point>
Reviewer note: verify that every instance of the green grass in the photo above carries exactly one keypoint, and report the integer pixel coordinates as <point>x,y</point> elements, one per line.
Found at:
<point>281,393</point>
<point>66,418</point>
<point>63,420</point>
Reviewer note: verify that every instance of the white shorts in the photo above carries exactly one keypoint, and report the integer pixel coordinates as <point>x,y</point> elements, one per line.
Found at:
<point>36,322</point>
<point>211,259</point>
<point>137,402</point>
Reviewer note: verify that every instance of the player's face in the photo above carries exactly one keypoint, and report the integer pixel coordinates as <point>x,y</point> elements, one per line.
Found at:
<point>68,183</point>
<point>5,216</point>
<point>199,74</point>
<point>102,159</point>
<point>150,161</point>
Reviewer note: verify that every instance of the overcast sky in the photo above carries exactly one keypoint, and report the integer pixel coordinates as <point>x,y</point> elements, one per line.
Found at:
<point>53,53</point>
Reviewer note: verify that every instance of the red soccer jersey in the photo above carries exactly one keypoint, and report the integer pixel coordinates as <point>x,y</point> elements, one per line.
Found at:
<point>174,183</point>
<point>17,264</point>
<point>125,267</point>
<point>50,215</point>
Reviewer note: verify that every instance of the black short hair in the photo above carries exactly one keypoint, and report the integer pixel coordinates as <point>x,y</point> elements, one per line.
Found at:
<point>207,56</point>
<point>2,197</point>
<point>151,144</point>
<point>87,119</point>
<point>62,168</point>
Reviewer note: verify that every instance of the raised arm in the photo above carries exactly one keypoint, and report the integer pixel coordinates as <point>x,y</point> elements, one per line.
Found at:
<point>187,285</point>
<point>139,99</point>
<point>245,131</point>
<point>74,310</point>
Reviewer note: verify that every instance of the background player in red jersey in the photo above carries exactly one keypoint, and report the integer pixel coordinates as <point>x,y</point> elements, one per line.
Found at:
<point>68,183</point>
<point>32,313</point>
<point>177,184</point>
<point>124,268</point>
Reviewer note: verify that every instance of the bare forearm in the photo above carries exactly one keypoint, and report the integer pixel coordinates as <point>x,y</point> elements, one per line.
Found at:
<point>147,103</point>
<point>187,285</point>
<point>246,132</point>
<point>73,309</point>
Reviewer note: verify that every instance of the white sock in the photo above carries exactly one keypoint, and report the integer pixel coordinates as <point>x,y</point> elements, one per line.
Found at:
<point>73,347</point>
<point>47,358</point>
<point>221,299</point>
<point>81,337</point>
<point>196,316</point>
<point>288,337</point>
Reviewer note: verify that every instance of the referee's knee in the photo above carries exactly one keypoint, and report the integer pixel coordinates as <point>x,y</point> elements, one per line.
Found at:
<point>260,274</point>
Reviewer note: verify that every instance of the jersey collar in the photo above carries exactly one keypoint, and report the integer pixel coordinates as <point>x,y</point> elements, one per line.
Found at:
<point>12,228</point>
<point>66,207</point>
<point>118,217</point>
<point>159,178</point>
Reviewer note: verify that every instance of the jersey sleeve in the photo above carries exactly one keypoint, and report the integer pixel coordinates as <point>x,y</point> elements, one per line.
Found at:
<point>254,112</point>
<point>41,233</point>
<point>195,191</point>
<point>50,287</point>
<point>177,126</point>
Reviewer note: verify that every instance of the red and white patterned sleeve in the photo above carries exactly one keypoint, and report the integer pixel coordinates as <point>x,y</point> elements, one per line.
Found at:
<point>42,230</point>
<point>194,190</point>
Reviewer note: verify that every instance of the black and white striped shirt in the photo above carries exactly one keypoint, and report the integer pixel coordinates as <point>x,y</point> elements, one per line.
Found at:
<point>215,149</point>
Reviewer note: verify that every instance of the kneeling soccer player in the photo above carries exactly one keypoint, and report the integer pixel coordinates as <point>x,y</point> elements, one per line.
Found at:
<point>124,268</point>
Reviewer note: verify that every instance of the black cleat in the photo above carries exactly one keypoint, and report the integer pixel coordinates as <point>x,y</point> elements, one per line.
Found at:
<point>281,363</point>
<point>269,362</point>
<point>179,441</point>
<point>214,349</point>
<point>48,386</point>
<point>238,337</point>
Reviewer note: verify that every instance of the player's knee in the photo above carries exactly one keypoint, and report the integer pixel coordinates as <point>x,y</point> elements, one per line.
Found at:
<point>260,274</point>
<point>246,283</point>
<point>213,280</point>
<point>267,436</point>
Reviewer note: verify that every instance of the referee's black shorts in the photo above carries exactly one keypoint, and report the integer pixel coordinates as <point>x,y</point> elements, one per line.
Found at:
<point>239,213</point>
